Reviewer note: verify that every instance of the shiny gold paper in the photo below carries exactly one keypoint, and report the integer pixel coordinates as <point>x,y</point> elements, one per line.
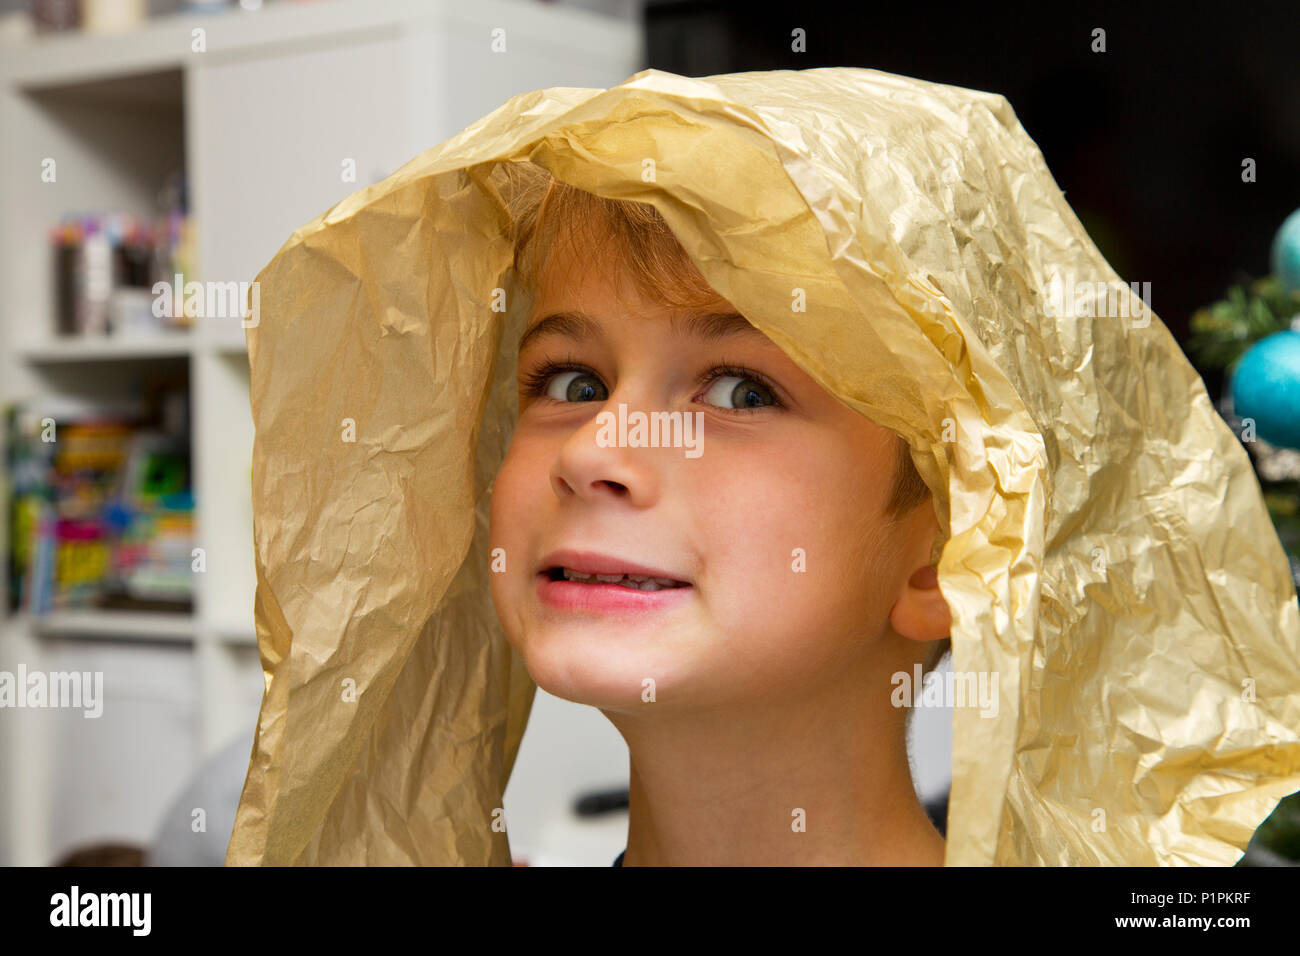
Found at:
<point>1105,548</point>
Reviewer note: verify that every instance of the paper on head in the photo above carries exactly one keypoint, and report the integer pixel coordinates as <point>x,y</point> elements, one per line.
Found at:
<point>1105,549</point>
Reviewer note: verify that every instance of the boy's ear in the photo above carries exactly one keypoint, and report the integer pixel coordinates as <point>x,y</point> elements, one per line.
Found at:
<point>920,611</point>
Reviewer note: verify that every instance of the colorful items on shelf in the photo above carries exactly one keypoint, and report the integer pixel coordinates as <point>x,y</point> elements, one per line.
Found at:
<point>102,514</point>
<point>106,267</point>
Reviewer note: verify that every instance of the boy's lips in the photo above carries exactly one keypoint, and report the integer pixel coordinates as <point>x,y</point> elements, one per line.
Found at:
<point>557,592</point>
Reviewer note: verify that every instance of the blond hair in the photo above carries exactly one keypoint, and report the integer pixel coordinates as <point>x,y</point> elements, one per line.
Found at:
<point>545,212</point>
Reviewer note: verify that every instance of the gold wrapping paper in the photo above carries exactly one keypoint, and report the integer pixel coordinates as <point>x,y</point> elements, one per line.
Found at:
<point>1105,549</point>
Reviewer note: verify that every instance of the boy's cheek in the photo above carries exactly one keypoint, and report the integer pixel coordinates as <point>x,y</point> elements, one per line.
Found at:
<point>503,555</point>
<point>505,491</point>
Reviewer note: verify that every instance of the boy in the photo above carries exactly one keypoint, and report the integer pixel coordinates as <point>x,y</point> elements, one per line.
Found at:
<point>755,693</point>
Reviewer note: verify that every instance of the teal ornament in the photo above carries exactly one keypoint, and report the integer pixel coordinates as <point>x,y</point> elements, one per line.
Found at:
<point>1266,388</point>
<point>1285,257</point>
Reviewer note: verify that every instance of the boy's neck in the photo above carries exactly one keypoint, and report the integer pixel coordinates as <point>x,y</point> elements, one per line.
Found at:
<point>810,783</point>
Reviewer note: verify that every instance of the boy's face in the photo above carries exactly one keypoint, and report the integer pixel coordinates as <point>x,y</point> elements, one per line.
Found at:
<point>777,526</point>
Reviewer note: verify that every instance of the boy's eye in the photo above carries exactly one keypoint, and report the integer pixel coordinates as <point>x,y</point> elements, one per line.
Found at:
<point>744,393</point>
<point>574,386</point>
<point>728,387</point>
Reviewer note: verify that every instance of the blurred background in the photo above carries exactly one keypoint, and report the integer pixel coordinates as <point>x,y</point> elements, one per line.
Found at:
<point>145,139</point>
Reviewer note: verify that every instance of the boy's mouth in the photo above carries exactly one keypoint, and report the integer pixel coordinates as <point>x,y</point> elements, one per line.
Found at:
<point>588,567</point>
<point>636,582</point>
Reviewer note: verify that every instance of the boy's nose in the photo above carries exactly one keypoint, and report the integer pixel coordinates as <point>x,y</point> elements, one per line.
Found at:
<point>586,469</point>
<point>564,489</point>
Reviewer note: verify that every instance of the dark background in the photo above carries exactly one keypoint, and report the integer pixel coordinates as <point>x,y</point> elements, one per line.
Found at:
<point>1146,139</point>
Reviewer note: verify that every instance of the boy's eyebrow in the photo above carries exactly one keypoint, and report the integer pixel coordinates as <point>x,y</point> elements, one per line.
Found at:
<point>581,327</point>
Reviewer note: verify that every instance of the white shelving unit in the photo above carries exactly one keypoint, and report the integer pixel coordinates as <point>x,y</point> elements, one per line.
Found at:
<point>261,119</point>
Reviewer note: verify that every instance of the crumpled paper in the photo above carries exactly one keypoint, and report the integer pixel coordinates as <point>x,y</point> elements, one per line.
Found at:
<point>1105,548</point>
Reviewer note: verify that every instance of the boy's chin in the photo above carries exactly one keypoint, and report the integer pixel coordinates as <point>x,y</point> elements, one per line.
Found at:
<point>605,676</point>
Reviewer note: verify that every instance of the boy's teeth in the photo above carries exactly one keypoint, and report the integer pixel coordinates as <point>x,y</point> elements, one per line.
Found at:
<point>636,582</point>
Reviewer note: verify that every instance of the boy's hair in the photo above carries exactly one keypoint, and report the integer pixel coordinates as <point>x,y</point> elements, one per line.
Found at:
<point>545,211</point>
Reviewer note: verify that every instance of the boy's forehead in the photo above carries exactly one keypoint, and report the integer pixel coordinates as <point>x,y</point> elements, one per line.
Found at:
<point>594,264</point>
<point>580,325</point>
<point>591,269</point>
<point>586,283</point>
<point>580,289</point>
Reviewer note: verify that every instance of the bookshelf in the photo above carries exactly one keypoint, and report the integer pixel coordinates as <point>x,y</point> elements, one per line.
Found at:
<point>260,120</point>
